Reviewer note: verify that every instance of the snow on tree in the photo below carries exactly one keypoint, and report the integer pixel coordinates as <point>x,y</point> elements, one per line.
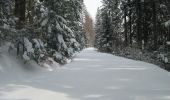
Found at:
<point>60,33</point>
<point>49,28</point>
<point>134,29</point>
<point>108,25</point>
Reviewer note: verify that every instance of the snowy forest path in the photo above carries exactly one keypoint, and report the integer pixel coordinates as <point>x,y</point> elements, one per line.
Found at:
<point>93,76</point>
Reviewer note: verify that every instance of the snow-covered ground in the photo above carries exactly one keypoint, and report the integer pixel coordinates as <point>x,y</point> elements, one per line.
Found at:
<point>91,76</point>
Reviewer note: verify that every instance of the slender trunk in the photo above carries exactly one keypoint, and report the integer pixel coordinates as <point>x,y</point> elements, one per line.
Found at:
<point>19,11</point>
<point>154,24</point>
<point>30,11</point>
<point>125,26</point>
<point>138,10</point>
<point>130,25</point>
<point>22,10</point>
<point>16,11</point>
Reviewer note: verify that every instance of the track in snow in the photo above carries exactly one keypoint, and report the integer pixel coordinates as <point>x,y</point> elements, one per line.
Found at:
<point>91,76</point>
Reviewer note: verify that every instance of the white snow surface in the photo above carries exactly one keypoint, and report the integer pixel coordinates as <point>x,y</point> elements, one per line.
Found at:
<point>167,23</point>
<point>168,42</point>
<point>90,76</point>
<point>61,41</point>
<point>28,45</point>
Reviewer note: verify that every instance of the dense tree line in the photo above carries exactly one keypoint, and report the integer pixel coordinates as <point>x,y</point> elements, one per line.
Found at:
<point>137,29</point>
<point>89,29</point>
<point>42,29</point>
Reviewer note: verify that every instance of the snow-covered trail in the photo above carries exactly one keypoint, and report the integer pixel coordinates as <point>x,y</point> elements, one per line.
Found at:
<point>91,76</point>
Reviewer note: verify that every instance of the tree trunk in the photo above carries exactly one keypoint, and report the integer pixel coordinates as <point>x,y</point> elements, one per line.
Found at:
<point>130,25</point>
<point>138,10</point>
<point>20,7</point>
<point>154,24</point>
<point>125,26</point>
<point>30,11</point>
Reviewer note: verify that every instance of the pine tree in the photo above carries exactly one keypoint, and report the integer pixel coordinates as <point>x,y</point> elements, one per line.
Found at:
<point>44,28</point>
<point>58,28</point>
<point>98,29</point>
<point>110,23</point>
<point>89,29</point>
